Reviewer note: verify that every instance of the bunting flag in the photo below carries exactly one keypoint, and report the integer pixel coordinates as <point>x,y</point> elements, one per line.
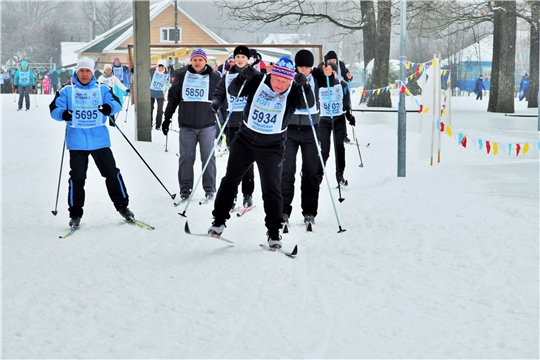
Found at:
<point>495,148</point>
<point>464,142</point>
<point>488,147</point>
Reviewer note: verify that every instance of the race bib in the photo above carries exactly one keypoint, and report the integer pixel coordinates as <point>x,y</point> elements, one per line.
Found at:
<point>236,104</point>
<point>331,105</point>
<point>196,87</point>
<point>85,104</point>
<point>118,72</point>
<point>158,81</point>
<point>24,77</point>
<point>313,109</point>
<point>109,81</point>
<point>267,110</point>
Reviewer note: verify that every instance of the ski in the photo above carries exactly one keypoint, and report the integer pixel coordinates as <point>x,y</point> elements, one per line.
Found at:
<point>285,228</point>
<point>245,210</point>
<point>205,201</point>
<point>290,254</point>
<point>309,227</point>
<point>222,153</point>
<point>140,224</point>
<point>180,202</point>
<point>69,232</point>
<point>186,229</point>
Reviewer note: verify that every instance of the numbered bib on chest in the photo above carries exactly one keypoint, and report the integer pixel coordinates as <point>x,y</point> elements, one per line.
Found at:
<point>331,105</point>
<point>108,81</point>
<point>236,104</point>
<point>158,81</point>
<point>267,110</point>
<point>118,71</point>
<point>85,104</point>
<point>196,87</point>
<point>24,77</point>
<point>313,109</point>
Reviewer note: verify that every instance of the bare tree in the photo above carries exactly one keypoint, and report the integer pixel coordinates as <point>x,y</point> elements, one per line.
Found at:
<point>108,13</point>
<point>534,21</point>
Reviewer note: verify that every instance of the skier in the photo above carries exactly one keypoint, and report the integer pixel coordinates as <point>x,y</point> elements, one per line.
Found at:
<point>335,107</point>
<point>109,79</point>
<point>23,80</point>
<point>271,102</point>
<point>479,87</point>
<point>46,85</point>
<point>121,72</point>
<point>300,135</point>
<point>159,80</point>
<point>192,94</point>
<point>524,87</point>
<point>53,77</point>
<point>86,134</point>
<point>236,106</point>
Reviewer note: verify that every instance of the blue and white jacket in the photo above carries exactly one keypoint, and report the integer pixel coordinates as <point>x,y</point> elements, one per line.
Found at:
<point>85,138</point>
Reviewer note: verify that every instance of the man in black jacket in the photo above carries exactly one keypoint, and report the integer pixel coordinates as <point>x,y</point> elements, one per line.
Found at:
<point>271,102</point>
<point>192,94</point>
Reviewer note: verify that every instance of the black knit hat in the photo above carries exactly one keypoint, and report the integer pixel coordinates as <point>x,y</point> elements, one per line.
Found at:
<point>331,55</point>
<point>241,50</point>
<point>252,53</point>
<point>304,58</point>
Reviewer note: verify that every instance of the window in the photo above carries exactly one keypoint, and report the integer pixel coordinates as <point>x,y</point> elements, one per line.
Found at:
<point>167,35</point>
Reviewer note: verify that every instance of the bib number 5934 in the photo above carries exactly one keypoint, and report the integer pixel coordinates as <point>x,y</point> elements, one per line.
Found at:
<point>263,117</point>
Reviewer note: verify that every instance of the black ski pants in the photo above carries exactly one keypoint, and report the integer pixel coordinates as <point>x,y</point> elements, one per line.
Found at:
<point>325,136</point>
<point>269,159</point>
<point>248,184</point>
<point>301,138</point>
<point>104,159</point>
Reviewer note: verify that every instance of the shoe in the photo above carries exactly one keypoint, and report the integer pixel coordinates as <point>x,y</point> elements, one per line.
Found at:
<point>19,109</point>
<point>309,219</point>
<point>217,227</point>
<point>209,195</point>
<point>233,204</point>
<point>126,213</point>
<point>347,140</point>
<point>74,222</point>
<point>340,179</point>
<point>27,109</point>
<point>274,240</point>
<point>285,219</point>
<point>184,196</point>
<point>248,200</point>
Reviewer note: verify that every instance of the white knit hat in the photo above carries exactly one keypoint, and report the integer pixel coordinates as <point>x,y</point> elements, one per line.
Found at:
<point>107,66</point>
<point>86,63</point>
<point>162,62</point>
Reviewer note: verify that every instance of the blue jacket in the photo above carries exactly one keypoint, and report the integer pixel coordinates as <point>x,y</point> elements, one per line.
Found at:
<point>31,78</point>
<point>84,138</point>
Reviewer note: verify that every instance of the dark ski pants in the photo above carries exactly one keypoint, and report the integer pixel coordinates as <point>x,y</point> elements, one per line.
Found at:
<point>104,159</point>
<point>24,92</point>
<point>309,181</point>
<point>188,146</point>
<point>248,184</point>
<point>269,159</point>
<point>325,134</point>
<point>159,115</point>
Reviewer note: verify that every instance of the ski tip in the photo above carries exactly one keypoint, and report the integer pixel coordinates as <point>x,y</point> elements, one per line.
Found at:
<point>54,212</point>
<point>186,228</point>
<point>295,250</point>
<point>309,227</point>
<point>285,229</point>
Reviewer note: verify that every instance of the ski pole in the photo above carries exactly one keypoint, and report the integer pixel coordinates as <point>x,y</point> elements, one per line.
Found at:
<point>166,142</point>
<point>35,97</point>
<point>357,146</point>
<point>55,211</point>
<point>322,161</point>
<point>341,199</point>
<point>127,109</point>
<point>111,117</point>
<point>210,156</point>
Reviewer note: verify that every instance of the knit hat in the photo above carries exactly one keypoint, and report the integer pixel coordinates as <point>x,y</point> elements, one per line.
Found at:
<point>241,50</point>
<point>85,63</point>
<point>284,68</point>
<point>24,63</point>
<point>198,52</point>
<point>116,58</point>
<point>107,66</point>
<point>331,55</point>
<point>252,53</point>
<point>304,58</point>
<point>162,62</point>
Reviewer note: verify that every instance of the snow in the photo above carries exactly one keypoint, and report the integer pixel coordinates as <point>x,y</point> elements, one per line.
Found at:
<point>442,263</point>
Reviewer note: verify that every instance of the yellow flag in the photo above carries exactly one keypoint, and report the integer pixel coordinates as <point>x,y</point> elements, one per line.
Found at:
<point>525,148</point>
<point>448,131</point>
<point>495,148</point>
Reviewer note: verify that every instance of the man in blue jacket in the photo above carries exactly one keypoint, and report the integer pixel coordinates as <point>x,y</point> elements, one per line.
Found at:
<point>84,106</point>
<point>23,80</point>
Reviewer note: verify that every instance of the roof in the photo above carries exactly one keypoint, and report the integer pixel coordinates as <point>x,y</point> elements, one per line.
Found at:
<point>110,41</point>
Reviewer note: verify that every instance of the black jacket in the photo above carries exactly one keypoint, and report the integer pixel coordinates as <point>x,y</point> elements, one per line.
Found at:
<point>301,122</point>
<point>195,115</point>
<point>295,100</point>
<point>220,98</point>
<point>346,100</point>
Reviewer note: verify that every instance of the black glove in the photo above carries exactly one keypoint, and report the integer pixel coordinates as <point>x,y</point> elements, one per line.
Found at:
<point>247,73</point>
<point>128,90</point>
<point>214,106</point>
<point>66,115</point>
<point>165,126</point>
<point>300,79</point>
<point>111,122</point>
<point>105,109</point>
<point>33,87</point>
<point>350,117</point>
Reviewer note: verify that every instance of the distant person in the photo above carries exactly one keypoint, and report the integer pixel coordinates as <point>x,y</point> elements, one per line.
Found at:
<point>524,87</point>
<point>343,73</point>
<point>6,88</point>
<point>122,72</point>
<point>46,85</point>
<point>159,79</point>
<point>24,80</point>
<point>53,77</point>
<point>109,79</point>
<point>97,73</point>
<point>64,77</point>
<point>479,87</point>
<point>87,135</point>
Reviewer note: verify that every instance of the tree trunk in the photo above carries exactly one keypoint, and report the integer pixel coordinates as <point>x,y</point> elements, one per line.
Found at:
<point>369,31</point>
<point>504,57</point>
<point>533,57</point>
<point>382,58</point>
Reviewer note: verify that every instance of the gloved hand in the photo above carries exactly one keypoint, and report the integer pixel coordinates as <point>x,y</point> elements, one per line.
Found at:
<point>105,109</point>
<point>300,79</point>
<point>33,87</point>
<point>214,106</point>
<point>350,117</point>
<point>111,122</point>
<point>66,115</point>
<point>247,73</point>
<point>128,90</point>
<point>165,126</point>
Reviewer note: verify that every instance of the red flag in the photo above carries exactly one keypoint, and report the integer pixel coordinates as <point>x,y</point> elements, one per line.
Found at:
<point>421,108</point>
<point>403,89</point>
<point>417,72</point>
<point>442,126</point>
<point>464,142</point>
<point>488,146</point>
<point>518,148</point>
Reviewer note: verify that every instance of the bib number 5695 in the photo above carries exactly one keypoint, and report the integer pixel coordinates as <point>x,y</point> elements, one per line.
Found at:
<point>86,114</point>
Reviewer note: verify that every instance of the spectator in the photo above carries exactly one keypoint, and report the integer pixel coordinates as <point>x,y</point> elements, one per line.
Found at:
<point>23,80</point>
<point>524,87</point>
<point>479,87</point>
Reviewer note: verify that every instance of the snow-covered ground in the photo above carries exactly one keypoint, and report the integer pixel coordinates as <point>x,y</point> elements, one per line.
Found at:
<point>442,263</point>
